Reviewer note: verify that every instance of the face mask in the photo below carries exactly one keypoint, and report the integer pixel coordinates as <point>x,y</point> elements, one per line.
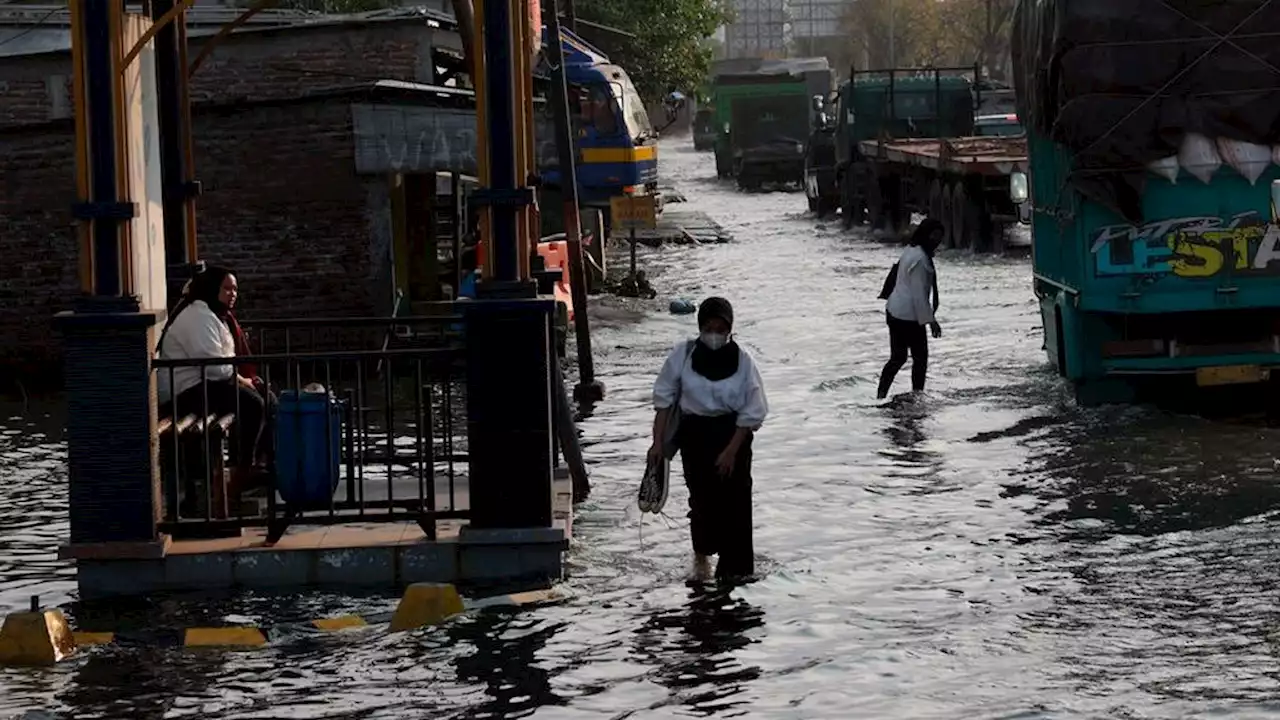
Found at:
<point>715,341</point>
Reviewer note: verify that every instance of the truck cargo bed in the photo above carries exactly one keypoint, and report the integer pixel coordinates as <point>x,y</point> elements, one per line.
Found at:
<point>985,155</point>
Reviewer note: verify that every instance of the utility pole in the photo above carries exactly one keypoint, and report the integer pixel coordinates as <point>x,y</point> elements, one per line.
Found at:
<point>588,389</point>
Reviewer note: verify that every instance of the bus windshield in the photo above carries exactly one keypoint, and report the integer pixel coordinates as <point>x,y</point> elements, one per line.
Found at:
<point>593,109</point>
<point>634,111</point>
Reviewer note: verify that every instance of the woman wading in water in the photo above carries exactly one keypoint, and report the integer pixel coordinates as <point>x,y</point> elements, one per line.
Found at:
<point>910,305</point>
<point>714,387</point>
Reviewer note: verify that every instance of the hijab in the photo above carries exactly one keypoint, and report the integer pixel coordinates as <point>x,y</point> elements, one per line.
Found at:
<point>715,364</point>
<point>920,238</point>
<point>206,287</point>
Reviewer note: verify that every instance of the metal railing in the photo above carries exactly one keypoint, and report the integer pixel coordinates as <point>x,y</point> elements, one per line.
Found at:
<point>348,435</point>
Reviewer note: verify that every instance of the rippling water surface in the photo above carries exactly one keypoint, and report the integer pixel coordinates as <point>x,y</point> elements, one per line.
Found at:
<point>988,551</point>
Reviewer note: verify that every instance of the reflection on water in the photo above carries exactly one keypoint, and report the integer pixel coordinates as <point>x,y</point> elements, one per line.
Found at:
<point>693,648</point>
<point>986,550</point>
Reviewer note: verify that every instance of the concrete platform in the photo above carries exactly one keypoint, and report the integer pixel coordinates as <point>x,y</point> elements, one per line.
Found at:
<point>351,555</point>
<point>680,226</point>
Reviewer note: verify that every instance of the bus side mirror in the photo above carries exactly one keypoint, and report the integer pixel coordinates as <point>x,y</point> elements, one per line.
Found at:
<point>1020,191</point>
<point>819,103</point>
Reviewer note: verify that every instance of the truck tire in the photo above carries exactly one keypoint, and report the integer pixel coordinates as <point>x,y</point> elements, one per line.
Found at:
<point>978,221</point>
<point>935,201</point>
<point>948,222</point>
<point>902,208</point>
<point>874,194</point>
<point>852,211</point>
<point>960,230</point>
<point>897,214</point>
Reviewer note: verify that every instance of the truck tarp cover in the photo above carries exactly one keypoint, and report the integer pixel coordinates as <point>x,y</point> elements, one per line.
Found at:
<point>1120,82</point>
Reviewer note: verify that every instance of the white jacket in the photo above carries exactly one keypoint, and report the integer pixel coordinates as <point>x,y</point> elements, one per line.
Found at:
<point>911,297</point>
<point>196,333</point>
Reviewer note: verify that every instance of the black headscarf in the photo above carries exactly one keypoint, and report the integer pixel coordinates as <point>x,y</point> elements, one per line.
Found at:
<point>922,232</point>
<point>716,364</point>
<point>207,286</point>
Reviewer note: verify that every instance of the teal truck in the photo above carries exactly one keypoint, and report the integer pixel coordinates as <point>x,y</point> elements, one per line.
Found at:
<point>1156,245</point>
<point>763,119</point>
<point>906,140</point>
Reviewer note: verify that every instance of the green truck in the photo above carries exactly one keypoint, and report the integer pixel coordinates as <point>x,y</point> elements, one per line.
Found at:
<point>905,141</point>
<point>763,118</point>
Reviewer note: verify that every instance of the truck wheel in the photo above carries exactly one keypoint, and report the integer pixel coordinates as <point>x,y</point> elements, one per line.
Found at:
<point>935,200</point>
<point>901,215</point>
<point>960,230</point>
<point>876,207</point>
<point>852,212</point>
<point>998,236</point>
<point>947,218</point>
<point>979,224</point>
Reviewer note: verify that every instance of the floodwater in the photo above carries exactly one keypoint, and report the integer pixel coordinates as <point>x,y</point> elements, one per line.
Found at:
<point>986,551</point>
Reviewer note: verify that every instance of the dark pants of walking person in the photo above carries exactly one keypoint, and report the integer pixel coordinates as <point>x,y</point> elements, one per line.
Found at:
<point>719,506</point>
<point>905,336</point>
<point>253,413</point>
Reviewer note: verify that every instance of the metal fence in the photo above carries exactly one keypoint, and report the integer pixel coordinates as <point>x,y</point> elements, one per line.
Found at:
<point>344,434</point>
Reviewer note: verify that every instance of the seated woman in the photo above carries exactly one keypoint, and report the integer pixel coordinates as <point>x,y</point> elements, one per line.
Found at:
<point>202,326</point>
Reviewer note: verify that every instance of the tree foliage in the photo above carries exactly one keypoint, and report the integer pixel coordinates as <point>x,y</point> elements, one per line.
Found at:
<point>668,51</point>
<point>896,33</point>
<point>980,31</point>
<point>955,33</point>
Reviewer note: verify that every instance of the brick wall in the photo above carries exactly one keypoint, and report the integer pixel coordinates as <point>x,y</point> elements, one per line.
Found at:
<point>283,205</point>
<point>39,271</point>
<point>284,208</point>
<point>260,65</point>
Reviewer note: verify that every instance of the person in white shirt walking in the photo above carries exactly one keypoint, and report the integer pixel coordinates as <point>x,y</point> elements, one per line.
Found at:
<point>911,306</point>
<point>721,404</point>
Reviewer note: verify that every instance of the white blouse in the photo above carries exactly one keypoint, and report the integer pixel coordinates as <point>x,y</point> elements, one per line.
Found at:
<point>911,299</point>
<point>741,393</point>
<point>196,333</point>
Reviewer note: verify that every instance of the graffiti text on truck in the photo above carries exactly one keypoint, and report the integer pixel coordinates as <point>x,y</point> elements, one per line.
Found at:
<point>1190,247</point>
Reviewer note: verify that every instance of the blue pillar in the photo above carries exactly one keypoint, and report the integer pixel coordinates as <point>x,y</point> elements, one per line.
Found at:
<point>499,47</point>
<point>509,334</point>
<point>108,339</point>
<point>509,413</point>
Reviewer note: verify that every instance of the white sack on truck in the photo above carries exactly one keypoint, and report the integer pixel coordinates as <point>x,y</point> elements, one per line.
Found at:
<point>1168,168</point>
<point>1199,157</point>
<point>1090,78</point>
<point>1248,159</point>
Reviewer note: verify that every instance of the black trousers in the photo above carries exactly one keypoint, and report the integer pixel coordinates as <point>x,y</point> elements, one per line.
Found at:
<point>905,336</point>
<point>251,433</point>
<point>719,507</point>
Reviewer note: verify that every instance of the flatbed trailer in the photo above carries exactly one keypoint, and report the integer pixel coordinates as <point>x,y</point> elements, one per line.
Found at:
<point>962,181</point>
